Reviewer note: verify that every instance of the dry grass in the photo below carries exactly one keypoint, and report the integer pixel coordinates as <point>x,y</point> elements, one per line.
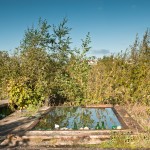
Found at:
<point>142,141</point>
<point>141,114</point>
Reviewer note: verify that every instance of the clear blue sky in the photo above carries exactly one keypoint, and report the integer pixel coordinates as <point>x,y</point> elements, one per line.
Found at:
<point>113,24</point>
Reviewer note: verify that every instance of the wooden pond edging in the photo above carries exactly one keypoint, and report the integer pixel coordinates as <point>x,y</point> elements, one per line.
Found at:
<point>22,135</point>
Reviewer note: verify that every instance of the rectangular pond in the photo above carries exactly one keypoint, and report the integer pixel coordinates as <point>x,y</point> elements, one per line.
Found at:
<point>58,126</point>
<point>79,118</point>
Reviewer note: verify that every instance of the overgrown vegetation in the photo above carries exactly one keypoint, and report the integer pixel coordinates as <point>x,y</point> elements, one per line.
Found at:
<point>124,141</point>
<point>44,67</point>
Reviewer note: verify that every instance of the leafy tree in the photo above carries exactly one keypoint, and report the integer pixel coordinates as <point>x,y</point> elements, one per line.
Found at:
<point>45,67</point>
<point>43,58</point>
<point>4,71</point>
<point>72,82</point>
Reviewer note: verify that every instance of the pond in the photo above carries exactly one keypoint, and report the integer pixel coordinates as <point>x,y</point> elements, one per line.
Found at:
<point>5,111</point>
<point>78,118</point>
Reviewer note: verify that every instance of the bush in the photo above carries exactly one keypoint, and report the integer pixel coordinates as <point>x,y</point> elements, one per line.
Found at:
<point>24,92</point>
<point>44,65</point>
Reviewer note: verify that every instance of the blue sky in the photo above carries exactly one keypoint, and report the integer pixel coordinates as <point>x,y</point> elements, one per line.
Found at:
<point>112,24</point>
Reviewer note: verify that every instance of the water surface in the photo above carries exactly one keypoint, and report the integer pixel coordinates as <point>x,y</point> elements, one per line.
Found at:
<point>67,117</point>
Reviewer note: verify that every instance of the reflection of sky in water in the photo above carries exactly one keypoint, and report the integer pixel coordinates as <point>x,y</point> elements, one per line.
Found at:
<point>66,117</point>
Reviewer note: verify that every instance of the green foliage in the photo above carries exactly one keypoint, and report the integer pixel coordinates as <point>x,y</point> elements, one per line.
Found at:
<point>31,110</point>
<point>119,140</point>
<point>60,43</point>
<point>4,67</point>
<point>41,56</point>
<point>72,81</point>
<point>126,140</point>
<point>44,65</point>
<point>23,92</point>
<point>124,78</point>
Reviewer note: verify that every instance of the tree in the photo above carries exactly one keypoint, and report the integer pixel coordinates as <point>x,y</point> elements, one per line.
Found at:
<point>42,55</point>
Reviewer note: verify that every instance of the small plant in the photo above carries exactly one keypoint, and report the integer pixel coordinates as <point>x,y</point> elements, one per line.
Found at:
<point>126,140</point>
<point>148,111</point>
<point>31,110</point>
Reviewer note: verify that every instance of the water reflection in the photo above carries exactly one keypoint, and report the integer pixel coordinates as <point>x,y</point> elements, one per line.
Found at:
<point>68,117</point>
